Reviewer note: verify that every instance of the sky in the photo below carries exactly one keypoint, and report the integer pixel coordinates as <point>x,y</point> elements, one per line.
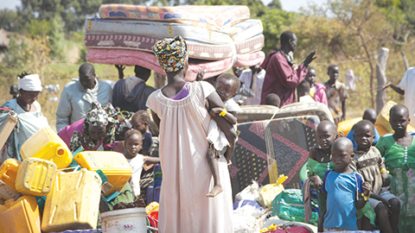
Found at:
<point>288,5</point>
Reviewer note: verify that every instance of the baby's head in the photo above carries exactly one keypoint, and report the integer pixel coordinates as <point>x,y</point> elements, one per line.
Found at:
<point>133,141</point>
<point>227,86</point>
<point>370,115</point>
<point>342,153</point>
<point>399,118</point>
<point>364,134</point>
<point>333,72</point>
<point>326,134</point>
<point>273,99</point>
<point>140,121</point>
<point>311,75</point>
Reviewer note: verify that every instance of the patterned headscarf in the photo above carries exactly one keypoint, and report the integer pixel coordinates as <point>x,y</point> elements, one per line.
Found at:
<point>97,116</point>
<point>171,53</point>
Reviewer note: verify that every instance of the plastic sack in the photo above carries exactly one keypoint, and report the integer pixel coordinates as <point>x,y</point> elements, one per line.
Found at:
<point>251,192</point>
<point>244,219</point>
<point>243,203</point>
<point>270,191</point>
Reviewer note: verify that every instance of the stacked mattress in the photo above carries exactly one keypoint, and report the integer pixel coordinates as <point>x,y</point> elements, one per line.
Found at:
<point>218,37</point>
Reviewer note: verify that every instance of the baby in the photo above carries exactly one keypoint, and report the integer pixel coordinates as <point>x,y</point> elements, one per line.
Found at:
<point>368,162</point>
<point>132,145</point>
<point>141,121</point>
<point>227,86</point>
<point>345,190</point>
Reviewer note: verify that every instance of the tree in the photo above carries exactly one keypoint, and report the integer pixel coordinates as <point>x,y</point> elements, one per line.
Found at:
<point>57,37</point>
<point>9,20</point>
<point>275,4</point>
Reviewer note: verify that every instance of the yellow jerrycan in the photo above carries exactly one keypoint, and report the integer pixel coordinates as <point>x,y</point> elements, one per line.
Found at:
<point>8,172</point>
<point>46,144</point>
<point>35,177</point>
<point>113,164</point>
<point>73,203</point>
<point>20,216</point>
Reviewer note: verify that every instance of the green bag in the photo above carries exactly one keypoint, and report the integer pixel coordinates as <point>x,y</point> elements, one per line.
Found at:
<point>288,205</point>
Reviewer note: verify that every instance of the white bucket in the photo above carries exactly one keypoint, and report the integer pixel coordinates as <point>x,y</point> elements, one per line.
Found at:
<point>126,220</point>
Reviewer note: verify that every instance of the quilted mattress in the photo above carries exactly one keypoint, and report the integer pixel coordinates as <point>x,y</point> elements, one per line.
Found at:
<point>251,45</point>
<point>249,59</point>
<point>218,17</point>
<point>149,61</point>
<point>145,43</point>
<point>157,30</point>
<point>245,30</point>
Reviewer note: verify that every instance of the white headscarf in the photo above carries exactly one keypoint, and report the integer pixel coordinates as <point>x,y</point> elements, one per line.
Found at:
<point>30,82</point>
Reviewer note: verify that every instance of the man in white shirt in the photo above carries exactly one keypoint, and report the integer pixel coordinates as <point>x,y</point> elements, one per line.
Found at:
<point>253,78</point>
<point>407,87</point>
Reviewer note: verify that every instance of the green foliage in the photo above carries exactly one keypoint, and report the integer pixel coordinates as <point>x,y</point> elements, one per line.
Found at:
<point>57,37</point>
<point>16,55</point>
<point>9,20</point>
<point>39,27</point>
<point>275,4</point>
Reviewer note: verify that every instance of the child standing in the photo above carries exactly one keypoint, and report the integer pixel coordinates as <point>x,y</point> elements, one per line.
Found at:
<point>227,86</point>
<point>369,163</point>
<point>398,151</point>
<point>317,90</point>
<point>132,145</point>
<point>336,94</point>
<point>319,161</point>
<point>141,121</point>
<point>343,187</point>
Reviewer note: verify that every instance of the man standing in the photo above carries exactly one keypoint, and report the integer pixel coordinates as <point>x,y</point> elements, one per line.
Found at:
<point>407,87</point>
<point>282,74</point>
<point>77,96</point>
<point>253,78</point>
<point>131,94</point>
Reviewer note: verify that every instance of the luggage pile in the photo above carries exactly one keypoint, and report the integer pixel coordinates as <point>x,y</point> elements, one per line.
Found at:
<point>218,37</point>
<point>53,190</point>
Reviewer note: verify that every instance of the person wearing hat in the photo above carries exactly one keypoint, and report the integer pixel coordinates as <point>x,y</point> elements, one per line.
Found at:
<point>28,112</point>
<point>95,132</point>
<point>180,113</point>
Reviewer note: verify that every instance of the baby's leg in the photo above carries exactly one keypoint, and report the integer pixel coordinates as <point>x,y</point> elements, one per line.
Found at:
<point>214,168</point>
<point>231,137</point>
<point>382,216</point>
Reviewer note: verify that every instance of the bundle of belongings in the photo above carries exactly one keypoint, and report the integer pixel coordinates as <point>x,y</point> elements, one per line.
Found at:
<point>217,37</point>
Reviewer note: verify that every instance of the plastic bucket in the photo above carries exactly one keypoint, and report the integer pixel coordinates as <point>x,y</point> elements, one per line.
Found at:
<point>126,220</point>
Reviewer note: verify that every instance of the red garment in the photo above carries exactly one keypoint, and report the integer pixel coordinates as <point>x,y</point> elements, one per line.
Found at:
<point>281,78</point>
<point>320,94</point>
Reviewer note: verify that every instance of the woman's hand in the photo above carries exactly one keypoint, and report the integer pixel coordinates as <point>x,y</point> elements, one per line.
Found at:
<point>317,182</point>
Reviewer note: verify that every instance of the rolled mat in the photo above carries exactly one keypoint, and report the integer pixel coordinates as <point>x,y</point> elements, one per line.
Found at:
<point>245,30</point>
<point>149,61</point>
<point>250,59</point>
<point>156,30</point>
<point>203,16</point>
<point>144,43</point>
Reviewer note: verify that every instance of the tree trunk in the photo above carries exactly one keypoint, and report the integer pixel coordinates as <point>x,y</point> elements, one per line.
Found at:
<point>381,76</point>
<point>372,92</point>
<point>405,61</point>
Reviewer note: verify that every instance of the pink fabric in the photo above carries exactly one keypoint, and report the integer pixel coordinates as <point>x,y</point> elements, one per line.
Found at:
<point>67,132</point>
<point>281,78</point>
<point>320,95</point>
<point>249,59</point>
<point>149,61</point>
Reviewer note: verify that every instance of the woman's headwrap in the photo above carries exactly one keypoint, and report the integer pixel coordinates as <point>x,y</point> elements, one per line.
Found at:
<point>100,116</point>
<point>171,53</point>
<point>30,82</point>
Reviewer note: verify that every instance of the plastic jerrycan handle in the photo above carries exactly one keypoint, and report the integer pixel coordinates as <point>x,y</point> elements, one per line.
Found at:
<point>6,176</point>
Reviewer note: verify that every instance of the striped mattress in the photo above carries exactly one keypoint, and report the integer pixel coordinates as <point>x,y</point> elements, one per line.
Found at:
<point>156,30</point>
<point>218,17</point>
<point>149,61</point>
<point>245,30</point>
<point>250,59</point>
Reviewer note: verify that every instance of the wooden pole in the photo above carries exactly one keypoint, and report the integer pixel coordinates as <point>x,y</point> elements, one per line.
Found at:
<point>381,76</point>
<point>405,61</point>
